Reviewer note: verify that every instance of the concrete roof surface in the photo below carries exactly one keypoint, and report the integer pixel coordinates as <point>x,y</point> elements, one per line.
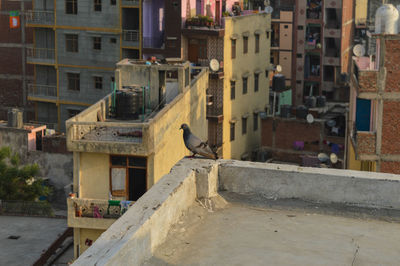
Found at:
<point>36,234</point>
<point>243,234</point>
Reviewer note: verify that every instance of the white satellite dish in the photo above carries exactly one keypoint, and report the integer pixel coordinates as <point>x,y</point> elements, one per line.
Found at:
<point>310,118</point>
<point>333,157</point>
<point>279,68</point>
<point>214,65</point>
<point>269,9</point>
<point>323,157</point>
<point>359,50</point>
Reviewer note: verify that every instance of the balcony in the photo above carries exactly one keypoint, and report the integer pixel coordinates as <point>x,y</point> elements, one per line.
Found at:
<point>42,91</point>
<point>130,3</point>
<point>364,78</point>
<point>203,25</point>
<point>95,213</point>
<point>331,61</point>
<point>130,38</point>
<point>365,144</point>
<point>41,55</point>
<point>39,17</point>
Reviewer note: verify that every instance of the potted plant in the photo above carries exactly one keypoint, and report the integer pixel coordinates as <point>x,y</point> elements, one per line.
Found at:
<point>209,21</point>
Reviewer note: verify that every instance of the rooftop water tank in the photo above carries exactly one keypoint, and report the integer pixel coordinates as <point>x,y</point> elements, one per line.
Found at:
<point>386,19</point>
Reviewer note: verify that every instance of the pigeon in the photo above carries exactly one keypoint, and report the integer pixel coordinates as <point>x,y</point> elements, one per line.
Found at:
<point>195,145</point>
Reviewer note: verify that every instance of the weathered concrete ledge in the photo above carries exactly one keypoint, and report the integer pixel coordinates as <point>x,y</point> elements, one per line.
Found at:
<point>133,238</point>
<point>366,189</point>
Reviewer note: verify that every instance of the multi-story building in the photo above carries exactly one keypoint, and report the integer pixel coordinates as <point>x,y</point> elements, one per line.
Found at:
<point>76,45</point>
<point>374,141</point>
<point>117,157</point>
<point>238,85</point>
<point>14,72</point>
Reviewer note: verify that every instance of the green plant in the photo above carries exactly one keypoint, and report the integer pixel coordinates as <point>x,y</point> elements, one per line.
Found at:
<point>19,182</point>
<point>225,14</point>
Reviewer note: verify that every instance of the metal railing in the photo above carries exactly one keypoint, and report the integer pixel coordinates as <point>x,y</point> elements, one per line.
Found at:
<point>41,53</point>
<point>39,17</point>
<point>42,90</point>
<point>130,35</point>
<point>130,2</point>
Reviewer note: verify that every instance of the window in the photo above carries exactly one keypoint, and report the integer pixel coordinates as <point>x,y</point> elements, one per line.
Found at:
<point>97,5</point>
<point>300,27</point>
<point>73,112</point>
<point>113,2</point>
<point>245,44</point>
<point>128,177</point>
<point>267,34</point>
<point>256,75</point>
<point>71,42</point>
<point>97,43</point>
<point>112,79</point>
<point>232,90</point>
<point>244,85</point>
<point>232,136</point>
<point>203,49</point>
<point>71,7</point>
<point>233,48</point>
<point>244,125</point>
<point>113,40</point>
<point>73,81</point>
<point>98,82</point>
<point>257,48</point>
<point>255,121</point>
<point>299,55</point>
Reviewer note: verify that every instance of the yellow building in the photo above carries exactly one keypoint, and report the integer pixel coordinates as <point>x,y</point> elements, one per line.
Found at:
<point>118,157</point>
<point>238,84</point>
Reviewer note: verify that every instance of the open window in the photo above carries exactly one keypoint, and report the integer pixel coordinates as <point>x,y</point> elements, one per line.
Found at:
<point>128,177</point>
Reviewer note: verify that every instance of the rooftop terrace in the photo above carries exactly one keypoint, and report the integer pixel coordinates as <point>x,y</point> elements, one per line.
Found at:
<point>230,212</point>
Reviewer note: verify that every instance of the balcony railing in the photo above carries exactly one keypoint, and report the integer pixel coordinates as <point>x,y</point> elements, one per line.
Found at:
<point>130,35</point>
<point>39,17</point>
<point>42,90</point>
<point>95,213</point>
<point>41,54</point>
<point>130,2</point>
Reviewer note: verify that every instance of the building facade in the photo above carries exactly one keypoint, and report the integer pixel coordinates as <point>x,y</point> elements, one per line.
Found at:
<point>76,45</point>
<point>375,107</point>
<point>117,159</point>
<point>14,72</point>
<point>238,84</point>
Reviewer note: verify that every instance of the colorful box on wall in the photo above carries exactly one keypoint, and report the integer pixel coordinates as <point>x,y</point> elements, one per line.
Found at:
<point>14,19</point>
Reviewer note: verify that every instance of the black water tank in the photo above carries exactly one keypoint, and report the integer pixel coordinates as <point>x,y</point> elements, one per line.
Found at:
<point>285,110</point>
<point>301,112</point>
<point>310,101</point>
<point>321,100</point>
<point>128,104</point>
<point>278,82</point>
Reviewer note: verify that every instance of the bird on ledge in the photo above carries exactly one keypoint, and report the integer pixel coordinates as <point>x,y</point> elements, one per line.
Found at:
<point>196,145</point>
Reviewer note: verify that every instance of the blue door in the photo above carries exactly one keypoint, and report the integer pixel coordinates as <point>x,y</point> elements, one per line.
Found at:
<point>363,114</point>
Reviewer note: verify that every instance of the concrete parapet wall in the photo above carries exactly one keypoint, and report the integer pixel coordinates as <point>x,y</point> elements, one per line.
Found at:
<point>133,237</point>
<point>276,181</point>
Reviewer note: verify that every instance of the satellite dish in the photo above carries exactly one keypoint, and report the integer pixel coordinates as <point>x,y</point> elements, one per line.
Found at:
<point>310,118</point>
<point>214,65</point>
<point>333,157</point>
<point>322,157</point>
<point>269,9</point>
<point>359,50</point>
<point>279,68</point>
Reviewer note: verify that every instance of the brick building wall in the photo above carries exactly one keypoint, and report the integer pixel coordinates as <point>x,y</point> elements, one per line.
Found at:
<point>11,61</point>
<point>367,81</point>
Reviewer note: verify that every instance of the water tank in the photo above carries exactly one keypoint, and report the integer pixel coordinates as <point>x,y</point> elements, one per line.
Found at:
<point>386,19</point>
<point>285,110</point>
<point>15,118</point>
<point>310,101</point>
<point>278,82</point>
<point>321,101</point>
<point>129,103</point>
<point>301,112</point>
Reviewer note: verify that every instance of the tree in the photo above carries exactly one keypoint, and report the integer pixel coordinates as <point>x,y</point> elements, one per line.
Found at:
<point>19,182</point>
